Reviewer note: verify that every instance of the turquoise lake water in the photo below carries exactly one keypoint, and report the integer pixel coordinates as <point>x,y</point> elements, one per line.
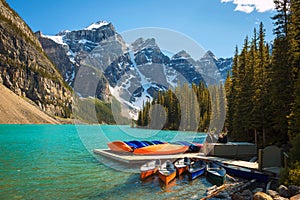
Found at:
<point>56,162</point>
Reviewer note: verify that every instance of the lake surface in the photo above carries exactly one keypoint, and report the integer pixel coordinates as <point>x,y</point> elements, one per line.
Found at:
<point>56,162</point>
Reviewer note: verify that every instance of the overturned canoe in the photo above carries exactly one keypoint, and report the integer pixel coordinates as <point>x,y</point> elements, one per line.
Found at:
<point>161,149</point>
<point>192,147</point>
<point>135,144</point>
<point>119,146</point>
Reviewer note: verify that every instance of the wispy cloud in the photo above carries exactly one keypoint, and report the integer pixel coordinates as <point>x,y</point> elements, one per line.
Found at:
<point>249,6</point>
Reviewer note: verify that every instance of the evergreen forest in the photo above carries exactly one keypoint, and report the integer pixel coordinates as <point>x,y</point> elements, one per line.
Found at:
<point>261,94</point>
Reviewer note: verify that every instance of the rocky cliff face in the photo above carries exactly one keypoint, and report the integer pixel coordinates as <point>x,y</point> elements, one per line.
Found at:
<point>57,54</point>
<point>26,70</point>
<point>82,56</point>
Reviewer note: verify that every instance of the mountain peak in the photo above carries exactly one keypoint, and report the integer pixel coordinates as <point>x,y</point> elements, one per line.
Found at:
<point>182,54</point>
<point>62,33</point>
<point>210,54</point>
<point>141,43</point>
<point>96,25</point>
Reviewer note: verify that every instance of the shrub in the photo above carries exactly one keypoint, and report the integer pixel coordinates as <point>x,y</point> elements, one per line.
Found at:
<point>291,175</point>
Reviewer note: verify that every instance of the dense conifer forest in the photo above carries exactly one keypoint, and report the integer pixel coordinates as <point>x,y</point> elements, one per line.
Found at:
<point>262,93</point>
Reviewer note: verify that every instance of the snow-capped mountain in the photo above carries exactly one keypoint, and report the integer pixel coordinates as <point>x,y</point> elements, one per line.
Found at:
<point>96,61</point>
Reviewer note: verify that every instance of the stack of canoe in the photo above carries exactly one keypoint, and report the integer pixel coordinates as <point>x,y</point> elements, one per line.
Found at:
<point>153,147</point>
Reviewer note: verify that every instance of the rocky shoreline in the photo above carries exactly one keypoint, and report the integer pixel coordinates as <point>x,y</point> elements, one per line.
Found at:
<point>252,190</point>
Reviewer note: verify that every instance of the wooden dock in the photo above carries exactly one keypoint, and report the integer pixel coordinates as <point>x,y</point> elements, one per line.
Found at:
<point>129,158</point>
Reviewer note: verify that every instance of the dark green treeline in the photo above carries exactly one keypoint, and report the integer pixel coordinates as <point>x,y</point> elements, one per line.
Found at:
<point>263,90</point>
<point>184,108</point>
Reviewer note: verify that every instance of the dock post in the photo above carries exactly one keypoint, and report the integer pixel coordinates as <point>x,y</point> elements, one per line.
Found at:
<point>255,136</point>
<point>260,159</point>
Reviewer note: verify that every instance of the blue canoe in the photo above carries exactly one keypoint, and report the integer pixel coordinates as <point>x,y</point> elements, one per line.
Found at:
<point>196,169</point>
<point>245,173</point>
<point>192,148</point>
<point>215,174</point>
<point>148,142</point>
<point>157,142</point>
<point>135,144</point>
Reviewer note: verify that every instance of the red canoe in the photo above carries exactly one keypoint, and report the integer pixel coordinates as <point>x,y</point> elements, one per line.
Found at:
<point>119,146</point>
<point>161,149</point>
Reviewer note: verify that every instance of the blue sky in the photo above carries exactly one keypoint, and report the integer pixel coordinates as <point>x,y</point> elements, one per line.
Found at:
<point>216,25</point>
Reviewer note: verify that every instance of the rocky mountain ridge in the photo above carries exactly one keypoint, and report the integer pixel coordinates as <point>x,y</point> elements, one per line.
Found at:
<point>100,64</point>
<point>25,68</point>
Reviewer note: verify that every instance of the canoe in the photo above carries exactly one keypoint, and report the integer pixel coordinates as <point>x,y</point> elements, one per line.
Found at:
<point>148,142</point>
<point>157,142</point>
<point>192,147</point>
<point>181,166</point>
<point>161,149</point>
<point>119,146</point>
<point>215,174</point>
<point>148,169</point>
<point>245,173</point>
<point>135,144</point>
<point>196,169</point>
<point>167,172</point>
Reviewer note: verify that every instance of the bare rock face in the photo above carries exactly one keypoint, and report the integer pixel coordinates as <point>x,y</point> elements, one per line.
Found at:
<point>82,57</point>
<point>58,55</point>
<point>26,70</point>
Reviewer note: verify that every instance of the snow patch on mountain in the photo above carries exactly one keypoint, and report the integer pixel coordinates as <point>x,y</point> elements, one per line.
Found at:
<point>96,25</point>
<point>57,39</point>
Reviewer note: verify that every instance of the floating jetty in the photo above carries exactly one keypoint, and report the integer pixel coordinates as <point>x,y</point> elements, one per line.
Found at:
<point>129,158</point>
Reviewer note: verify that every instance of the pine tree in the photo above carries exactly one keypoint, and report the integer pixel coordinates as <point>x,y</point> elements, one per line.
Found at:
<point>280,72</point>
<point>240,116</point>
<point>231,94</point>
<point>295,35</point>
<point>281,18</point>
<point>294,117</point>
<point>187,108</point>
<point>261,80</point>
<point>229,100</point>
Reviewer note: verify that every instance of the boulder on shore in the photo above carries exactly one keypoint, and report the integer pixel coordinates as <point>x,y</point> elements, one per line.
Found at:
<point>294,190</point>
<point>284,191</point>
<point>262,196</point>
<point>296,197</point>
